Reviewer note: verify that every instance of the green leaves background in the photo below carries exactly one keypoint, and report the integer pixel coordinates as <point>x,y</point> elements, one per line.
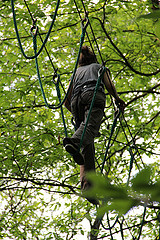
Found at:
<point>38,178</point>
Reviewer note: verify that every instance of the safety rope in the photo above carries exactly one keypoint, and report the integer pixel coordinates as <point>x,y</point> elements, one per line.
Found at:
<point>131,162</point>
<point>55,69</point>
<point>35,27</point>
<point>81,20</point>
<point>130,149</point>
<point>83,27</point>
<point>59,97</point>
<point>110,137</point>
<point>133,139</point>
<point>93,34</point>
<point>33,20</point>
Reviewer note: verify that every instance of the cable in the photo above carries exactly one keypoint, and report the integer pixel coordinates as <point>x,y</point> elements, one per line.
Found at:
<point>47,35</point>
<point>83,27</point>
<point>103,63</point>
<point>81,20</point>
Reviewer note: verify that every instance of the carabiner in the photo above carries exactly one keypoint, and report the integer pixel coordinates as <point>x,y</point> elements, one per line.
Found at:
<point>36,30</point>
<point>87,21</point>
<point>56,75</point>
<point>102,68</point>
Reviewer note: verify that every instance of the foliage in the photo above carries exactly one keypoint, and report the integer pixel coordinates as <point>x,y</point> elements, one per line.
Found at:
<point>40,187</point>
<point>123,198</point>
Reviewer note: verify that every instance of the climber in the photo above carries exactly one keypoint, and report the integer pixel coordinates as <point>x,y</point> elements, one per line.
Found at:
<point>78,103</point>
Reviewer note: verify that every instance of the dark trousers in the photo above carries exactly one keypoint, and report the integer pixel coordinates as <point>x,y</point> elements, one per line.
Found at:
<point>80,109</point>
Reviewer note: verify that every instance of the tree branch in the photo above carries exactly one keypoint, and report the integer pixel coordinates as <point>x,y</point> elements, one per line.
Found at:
<point>126,62</point>
<point>143,95</point>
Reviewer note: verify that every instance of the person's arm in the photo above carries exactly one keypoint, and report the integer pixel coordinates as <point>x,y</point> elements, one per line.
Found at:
<point>67,102</point>
<point>112,90</point>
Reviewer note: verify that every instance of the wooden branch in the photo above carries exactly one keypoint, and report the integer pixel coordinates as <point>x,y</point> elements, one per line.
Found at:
<point>143,95</point>
<point>39,182</point>
<point>126,62</point>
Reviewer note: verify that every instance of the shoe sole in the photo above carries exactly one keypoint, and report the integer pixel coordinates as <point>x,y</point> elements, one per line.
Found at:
<point>66,141</point>
<point>77,156</point>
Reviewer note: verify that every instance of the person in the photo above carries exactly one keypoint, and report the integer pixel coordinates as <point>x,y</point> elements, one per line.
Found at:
<point>78,103</point>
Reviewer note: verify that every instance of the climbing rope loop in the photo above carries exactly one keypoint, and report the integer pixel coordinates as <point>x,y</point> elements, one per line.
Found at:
<point>46,38</point>
<point>74,72</point>
<point>59,97</point>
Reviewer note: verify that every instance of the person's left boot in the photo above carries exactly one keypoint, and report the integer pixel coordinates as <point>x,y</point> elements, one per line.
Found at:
<point>72,148</point>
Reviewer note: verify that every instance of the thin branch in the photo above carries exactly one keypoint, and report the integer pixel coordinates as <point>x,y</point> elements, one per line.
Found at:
<point>143,95</point>
<point>126,62</point>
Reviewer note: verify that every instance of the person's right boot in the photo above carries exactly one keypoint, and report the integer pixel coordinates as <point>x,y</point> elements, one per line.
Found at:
<point>72,148</point>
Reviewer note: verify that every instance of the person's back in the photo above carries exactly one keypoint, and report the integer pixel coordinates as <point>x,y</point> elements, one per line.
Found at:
<point>86,78</point>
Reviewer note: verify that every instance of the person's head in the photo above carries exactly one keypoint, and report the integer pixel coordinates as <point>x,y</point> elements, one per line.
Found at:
<point>87,56</point>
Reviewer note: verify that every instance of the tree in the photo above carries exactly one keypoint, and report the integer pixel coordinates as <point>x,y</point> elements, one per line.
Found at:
<point>40,187</point>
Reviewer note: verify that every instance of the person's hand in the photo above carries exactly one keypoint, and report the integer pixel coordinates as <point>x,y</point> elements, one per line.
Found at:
<point>120,104</point>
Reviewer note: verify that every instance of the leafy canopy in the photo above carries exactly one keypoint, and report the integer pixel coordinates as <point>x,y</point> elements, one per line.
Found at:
<point>40,187</point>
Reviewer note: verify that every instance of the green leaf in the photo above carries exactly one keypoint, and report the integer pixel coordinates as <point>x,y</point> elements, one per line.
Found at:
<point>142,180</point>
<point>39,182</point>
<point>118,205</point>
<point>153,15</point>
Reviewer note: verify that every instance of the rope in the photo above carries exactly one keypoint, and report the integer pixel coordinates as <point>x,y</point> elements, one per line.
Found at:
<point>54,68</point>
<point>131,163</point>
<point>132,159</point>
<point>133,139</point>
<point>93,34</point>
<point>81,20</point>
<point>47,36</point>
<point>110,137</point>
<point>59,97</point>
<point>76,65</point>
<point>34,21</point>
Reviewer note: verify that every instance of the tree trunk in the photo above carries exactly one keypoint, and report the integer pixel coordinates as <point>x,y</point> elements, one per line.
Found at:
<point>95,229</point>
